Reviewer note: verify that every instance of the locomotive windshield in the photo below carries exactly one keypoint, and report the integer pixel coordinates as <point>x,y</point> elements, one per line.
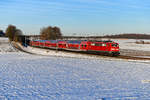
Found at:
<point>114,45</point>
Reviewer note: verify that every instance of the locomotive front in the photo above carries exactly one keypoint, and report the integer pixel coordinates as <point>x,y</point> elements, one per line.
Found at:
<point>114,49</point>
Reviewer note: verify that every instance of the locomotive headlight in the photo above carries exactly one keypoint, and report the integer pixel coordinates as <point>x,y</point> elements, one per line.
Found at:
<point>114,49</point>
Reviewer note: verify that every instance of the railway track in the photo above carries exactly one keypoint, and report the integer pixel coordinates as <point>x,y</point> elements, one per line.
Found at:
<point>16,46</point>
<point>127,57</point>
<point>132,58</point>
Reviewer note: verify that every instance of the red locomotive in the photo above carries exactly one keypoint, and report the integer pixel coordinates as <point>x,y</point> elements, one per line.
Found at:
<point>105,47</point>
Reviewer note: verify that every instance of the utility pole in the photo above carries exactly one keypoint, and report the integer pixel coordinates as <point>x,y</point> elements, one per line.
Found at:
<point>56,46</point>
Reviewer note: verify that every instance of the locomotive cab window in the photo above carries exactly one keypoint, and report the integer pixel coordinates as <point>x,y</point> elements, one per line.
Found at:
<point>84,45</point>
<point>98,44</point>
<point>114,45</point>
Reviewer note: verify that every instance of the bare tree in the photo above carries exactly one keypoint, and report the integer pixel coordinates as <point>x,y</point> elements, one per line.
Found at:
<point>50,33</point>
<point>12,33</point>
<point>57,32</point>
<point>17,34</point>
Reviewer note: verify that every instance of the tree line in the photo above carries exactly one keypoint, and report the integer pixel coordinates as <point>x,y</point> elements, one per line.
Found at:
<point>53,33</point>
<point>46,33</point>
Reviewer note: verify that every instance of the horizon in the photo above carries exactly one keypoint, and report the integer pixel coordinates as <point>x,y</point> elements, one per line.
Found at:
<point>77,17</point>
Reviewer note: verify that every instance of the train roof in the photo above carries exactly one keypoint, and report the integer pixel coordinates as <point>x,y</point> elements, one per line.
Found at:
<point>90,40</point>
<point>74,41</point>
<point>40,40</point>
<point>36,40</point>
<point>53,41</point>
<point>105,41</point>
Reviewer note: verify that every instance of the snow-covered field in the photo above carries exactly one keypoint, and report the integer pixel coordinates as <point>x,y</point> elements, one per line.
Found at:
<point>131,45</point>
<point>5,46</point>
<point>32,77</point>
<point>36,77</point>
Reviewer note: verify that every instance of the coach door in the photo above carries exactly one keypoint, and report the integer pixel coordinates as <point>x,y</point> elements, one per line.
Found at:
<point>84,47</point>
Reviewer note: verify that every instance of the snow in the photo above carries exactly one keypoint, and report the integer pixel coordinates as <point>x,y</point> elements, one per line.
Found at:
<point>131,45</point>
<point>34,77</point>
<point>5,46</point>
<point>69,76</point>
<point>3,39</point>
<point>143,56</point>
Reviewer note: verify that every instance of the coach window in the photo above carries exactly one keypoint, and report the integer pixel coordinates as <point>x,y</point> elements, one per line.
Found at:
<point>99,44</point>
<point>103,44</point>
<point>96,44</point>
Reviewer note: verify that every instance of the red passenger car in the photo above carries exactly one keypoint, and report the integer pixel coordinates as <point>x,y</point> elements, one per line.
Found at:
<point>73,45</point>
<point>106,47</point>
<point>34,43</point>
<point>62,44</point>
<point>51,44</point>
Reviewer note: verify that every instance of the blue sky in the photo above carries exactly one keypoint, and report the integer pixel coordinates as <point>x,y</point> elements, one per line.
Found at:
<point>84,17</point>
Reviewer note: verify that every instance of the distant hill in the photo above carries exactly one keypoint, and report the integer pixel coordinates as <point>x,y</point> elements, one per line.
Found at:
<point>129,36</point>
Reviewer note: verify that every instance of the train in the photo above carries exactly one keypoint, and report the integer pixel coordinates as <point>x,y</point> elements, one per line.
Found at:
<point>106,47</point>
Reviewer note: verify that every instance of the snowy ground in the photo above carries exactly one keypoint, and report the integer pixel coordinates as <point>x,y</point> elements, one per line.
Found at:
<point>131,45</point>
<point>130,48</point>
<point>54,77</point>
<point>5,46</point>
<point>32,77</point>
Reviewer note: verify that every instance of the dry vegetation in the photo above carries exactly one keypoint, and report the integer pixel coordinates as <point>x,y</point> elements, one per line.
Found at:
<point>142,42</point>
<point>13,33</point>
<point>50,33</point>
